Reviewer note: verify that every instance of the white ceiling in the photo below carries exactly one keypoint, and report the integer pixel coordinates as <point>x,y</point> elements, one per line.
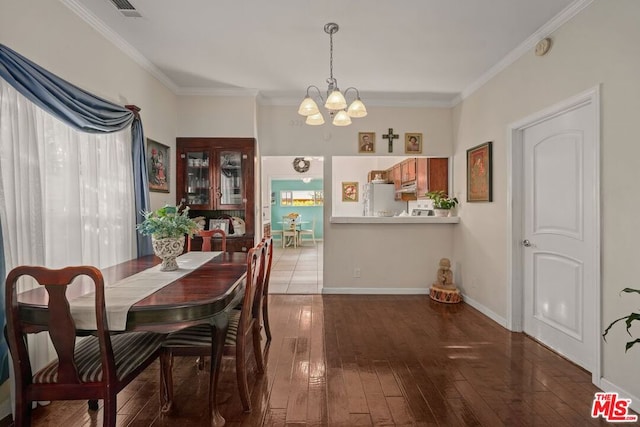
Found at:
<point>408,50</point>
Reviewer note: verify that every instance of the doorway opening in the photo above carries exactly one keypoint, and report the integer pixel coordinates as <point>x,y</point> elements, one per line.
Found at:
<point>293,210</point>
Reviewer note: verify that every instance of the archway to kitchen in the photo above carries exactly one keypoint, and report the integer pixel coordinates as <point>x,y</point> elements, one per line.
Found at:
<point>294,186</point>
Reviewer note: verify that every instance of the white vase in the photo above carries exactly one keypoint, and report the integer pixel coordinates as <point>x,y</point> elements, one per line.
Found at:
<point>441,212</point>
<point>168,249</point>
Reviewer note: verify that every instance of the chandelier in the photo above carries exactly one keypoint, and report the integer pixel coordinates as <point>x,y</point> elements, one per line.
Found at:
<point>336,103</point>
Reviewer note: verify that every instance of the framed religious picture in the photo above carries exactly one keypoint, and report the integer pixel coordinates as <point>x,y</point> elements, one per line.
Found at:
<point>158,166</point>
<point>366,142</point>
<point>349,191</point>
<point>479,170</point>
<point>413,143</point>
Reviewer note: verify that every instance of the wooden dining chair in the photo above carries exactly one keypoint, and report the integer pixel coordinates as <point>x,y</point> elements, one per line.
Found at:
<point>264,303</point>
<point>261,305</point>
<point>95,367</point>
<point>242,329</point>
<point>207,236</point>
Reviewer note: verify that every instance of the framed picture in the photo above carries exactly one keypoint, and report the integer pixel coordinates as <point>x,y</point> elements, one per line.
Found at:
<point>222,224</point>
<point>413,143</point>
<point>479,170</point>
<point>366,142</point>
<point>349,191</point>
<point>158,166</point>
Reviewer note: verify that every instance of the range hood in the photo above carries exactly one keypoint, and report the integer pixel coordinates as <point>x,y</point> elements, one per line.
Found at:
<point>409,187</point>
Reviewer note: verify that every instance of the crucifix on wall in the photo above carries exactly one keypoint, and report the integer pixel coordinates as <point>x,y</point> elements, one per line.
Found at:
<point>391,136</point>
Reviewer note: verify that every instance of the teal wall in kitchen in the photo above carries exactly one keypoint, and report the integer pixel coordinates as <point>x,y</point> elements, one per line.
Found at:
<point>307,212</point>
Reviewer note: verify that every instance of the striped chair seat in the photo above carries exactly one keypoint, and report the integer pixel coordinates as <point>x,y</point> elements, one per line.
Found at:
<point>129,349</point>
<point>200,335</point>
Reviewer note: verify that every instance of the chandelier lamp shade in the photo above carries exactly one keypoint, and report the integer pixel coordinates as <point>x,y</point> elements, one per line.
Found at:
<point>336,102</point>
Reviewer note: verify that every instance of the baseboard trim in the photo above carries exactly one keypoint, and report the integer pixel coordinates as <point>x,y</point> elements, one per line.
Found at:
<point>606,385</point>
<point>486,311</point>
<point>376,291</point>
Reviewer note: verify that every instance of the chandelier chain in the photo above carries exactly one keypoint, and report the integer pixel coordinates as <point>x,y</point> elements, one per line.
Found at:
<point>331,56</point>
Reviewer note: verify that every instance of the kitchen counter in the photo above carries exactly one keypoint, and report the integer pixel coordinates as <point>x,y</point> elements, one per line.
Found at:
<point>394,220</point>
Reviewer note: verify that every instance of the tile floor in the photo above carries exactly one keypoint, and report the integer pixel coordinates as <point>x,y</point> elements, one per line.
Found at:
<point>296,270</point>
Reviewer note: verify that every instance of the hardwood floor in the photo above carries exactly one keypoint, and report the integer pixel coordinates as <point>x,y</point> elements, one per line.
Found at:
<point>347,360</point>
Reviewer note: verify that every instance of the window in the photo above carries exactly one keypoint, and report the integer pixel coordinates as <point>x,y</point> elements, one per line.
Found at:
<point>301,198</point>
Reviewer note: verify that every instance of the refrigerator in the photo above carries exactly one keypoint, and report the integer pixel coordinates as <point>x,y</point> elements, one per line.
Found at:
<point>379,200</point>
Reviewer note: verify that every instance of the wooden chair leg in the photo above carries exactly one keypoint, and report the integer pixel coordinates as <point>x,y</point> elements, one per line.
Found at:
<point>166,380</point>
<point>241,375</point>
<point>110,410</point>
<point>93,405</point>
<point>22,417</point>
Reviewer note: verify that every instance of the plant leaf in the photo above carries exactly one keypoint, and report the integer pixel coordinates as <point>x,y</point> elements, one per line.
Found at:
<point>631,343</point>
<point>631,318</point>
<point>606,331</point>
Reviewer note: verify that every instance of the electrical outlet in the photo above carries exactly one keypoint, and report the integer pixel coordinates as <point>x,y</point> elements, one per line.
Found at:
<point>356,272</point>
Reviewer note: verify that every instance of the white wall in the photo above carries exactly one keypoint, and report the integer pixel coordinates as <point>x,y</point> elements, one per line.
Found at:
<point>209,116</point>
<point>600,46</point>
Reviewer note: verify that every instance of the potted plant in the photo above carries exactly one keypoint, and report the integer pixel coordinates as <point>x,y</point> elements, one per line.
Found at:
<point>442,203</point>
<point>167,227</point>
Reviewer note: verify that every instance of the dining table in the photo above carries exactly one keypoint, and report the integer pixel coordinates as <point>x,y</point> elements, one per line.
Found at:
<point>202,294</point>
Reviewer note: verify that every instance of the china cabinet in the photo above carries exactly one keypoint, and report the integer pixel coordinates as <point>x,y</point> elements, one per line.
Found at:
<point>215,179</point>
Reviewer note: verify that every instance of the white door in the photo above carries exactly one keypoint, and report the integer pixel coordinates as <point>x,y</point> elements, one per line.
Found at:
<point>560,233</point>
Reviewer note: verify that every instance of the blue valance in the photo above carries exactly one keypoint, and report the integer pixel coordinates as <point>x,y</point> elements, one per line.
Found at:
<point>82,111</point>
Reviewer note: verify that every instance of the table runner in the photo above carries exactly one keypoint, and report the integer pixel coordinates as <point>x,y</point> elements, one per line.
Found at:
<point>121,295</point>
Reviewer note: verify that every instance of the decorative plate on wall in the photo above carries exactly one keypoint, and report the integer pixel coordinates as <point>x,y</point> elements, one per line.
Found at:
<point>301,165</point>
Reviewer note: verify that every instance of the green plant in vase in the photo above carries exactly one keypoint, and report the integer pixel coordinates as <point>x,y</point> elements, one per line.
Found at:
<point>442,203</point>
<point>167,227</point>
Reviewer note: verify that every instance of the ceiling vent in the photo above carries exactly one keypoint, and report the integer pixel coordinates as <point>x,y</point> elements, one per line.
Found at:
<point>126,8</point>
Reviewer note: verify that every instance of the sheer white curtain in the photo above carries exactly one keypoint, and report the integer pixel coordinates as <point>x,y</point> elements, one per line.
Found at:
<point>66,197</point>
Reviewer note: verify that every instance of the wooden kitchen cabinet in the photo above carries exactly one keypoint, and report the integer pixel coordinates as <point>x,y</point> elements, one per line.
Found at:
<point>432,175</point>
<point>408,170</point>
<point>396,178</point>
<point>215,178</point>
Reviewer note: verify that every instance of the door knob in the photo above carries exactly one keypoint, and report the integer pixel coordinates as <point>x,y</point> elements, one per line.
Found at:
<point>526,243</point>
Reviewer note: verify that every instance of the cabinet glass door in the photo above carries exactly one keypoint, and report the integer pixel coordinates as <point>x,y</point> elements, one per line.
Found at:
<point>230,185</point>
<point>198,186</point>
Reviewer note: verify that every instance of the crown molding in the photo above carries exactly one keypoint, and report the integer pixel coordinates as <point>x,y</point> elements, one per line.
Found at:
<point>79,9</point>
<point>556,22</point>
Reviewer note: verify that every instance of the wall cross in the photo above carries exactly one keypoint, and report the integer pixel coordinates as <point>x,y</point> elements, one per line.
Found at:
<point>391,136</point>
